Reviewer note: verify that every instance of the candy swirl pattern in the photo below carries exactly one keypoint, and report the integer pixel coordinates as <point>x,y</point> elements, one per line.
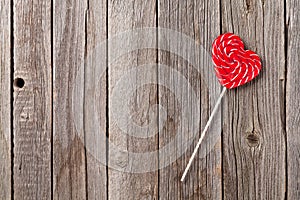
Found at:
<point>233,64</point>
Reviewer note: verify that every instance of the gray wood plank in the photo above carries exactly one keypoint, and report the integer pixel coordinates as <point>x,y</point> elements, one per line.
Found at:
<point>69,160</point>
<point>95,103</point>
<point>293,99</point>
<point>32,103</point>
<point>186,117</point>
<point>253,133</point>
<point>131,136</point>
<point>5,100</point>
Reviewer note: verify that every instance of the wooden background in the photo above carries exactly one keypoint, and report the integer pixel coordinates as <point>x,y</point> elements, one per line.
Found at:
<point>46,43</point>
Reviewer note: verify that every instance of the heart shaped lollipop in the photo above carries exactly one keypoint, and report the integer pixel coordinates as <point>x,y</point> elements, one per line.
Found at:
<point>234,66</point>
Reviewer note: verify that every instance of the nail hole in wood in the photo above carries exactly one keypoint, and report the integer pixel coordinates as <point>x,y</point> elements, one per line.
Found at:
<point>19,83</point>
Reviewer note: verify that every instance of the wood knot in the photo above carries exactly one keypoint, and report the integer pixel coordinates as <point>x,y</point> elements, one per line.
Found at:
<point>253,139</point>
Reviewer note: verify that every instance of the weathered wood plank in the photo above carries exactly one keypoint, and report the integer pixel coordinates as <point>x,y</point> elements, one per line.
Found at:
<point>253,133</point>
<point>199,20</point>
<point>293,99</point>
<point>140,116</point>
<point>5,100</point>
<point>32,103</point>
<point>69,161</point>
<point>95,103</point>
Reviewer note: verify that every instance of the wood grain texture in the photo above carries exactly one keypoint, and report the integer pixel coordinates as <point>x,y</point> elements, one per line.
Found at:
<point>69,161</point>
<point>32,103</point>
<point>105,96</point>
<point>95,99</point>
<point>253,132</point>
<point>199,21</point>
<point>293,99</point>
<point>5,100</point>
<point>124,141</point>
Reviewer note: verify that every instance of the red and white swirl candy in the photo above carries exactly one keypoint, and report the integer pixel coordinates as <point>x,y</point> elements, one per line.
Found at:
<point>233,64</point>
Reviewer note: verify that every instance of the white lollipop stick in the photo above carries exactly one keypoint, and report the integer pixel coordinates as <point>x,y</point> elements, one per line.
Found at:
<point>203,134</point>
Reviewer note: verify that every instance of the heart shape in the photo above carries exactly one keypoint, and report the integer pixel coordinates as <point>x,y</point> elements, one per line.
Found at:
<point>233,64</point>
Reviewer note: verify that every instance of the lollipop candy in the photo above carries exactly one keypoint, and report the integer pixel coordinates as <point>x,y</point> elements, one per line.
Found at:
<point>234,67</point>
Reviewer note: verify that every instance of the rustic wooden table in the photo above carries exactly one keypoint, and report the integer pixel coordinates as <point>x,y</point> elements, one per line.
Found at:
<point>62,95</point>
